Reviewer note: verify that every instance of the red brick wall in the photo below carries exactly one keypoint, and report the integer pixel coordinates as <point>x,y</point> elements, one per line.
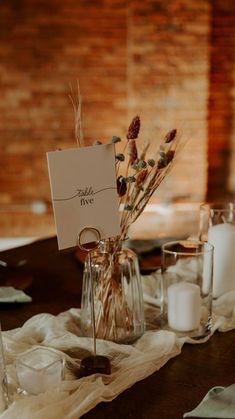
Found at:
<point>151,58</point>
<point>169,83</point>
<point>221,127</point>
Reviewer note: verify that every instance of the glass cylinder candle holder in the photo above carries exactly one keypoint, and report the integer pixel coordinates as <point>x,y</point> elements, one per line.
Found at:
<point>217,226</point>
<point>186,295</point>
<point>39,370</point>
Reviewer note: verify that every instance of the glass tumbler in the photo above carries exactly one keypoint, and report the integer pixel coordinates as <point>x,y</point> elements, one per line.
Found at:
<point>217,226</point>
<point>186,295</point>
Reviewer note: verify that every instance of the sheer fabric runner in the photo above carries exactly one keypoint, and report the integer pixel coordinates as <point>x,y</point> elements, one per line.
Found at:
<point>130,363</point>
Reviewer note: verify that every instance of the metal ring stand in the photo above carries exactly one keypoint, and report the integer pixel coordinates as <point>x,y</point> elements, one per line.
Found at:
<point>96,363</point>
<point>88,250</point>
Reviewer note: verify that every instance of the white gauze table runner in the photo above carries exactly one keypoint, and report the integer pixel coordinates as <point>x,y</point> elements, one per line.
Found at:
<point>130,363</point>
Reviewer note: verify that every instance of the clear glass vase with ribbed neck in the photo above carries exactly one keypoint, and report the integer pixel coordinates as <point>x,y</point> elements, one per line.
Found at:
<point>117,291</point>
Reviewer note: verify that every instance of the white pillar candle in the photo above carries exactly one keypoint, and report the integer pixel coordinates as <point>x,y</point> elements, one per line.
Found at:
<point>184,306</point>
<point>222,236</point>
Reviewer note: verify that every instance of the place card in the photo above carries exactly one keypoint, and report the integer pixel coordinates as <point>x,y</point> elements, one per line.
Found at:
<point>84,193</point>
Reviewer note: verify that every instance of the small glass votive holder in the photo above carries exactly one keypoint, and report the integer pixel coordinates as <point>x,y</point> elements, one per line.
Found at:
<point>186,292</point>
<point>217,226</point>
<point>39,370</point>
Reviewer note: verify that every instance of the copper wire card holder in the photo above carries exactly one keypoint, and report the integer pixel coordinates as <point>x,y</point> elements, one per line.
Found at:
<point>93,364</point>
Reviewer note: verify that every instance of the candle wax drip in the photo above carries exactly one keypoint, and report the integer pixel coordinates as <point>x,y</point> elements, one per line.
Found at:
<point>95,365</point>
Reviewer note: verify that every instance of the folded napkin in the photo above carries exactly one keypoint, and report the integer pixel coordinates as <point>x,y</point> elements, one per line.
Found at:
<point>12,295</point>
<point>219,402</point>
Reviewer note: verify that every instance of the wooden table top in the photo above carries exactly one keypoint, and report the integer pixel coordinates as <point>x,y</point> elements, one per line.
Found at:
<point>176,388</point>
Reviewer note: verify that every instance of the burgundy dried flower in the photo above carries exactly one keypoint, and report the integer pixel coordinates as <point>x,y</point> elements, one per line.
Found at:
<point>169,156</point>
<point>134,128</point>
<point>132,151</point>
<point>170,136</point>
<point>121,186</point>
<point>161,163</point>
<point>141,176</point>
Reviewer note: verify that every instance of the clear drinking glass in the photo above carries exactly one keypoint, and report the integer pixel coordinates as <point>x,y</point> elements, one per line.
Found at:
<point>39,370</point>
<point>118,296</point>
<point>217,226</point>
<point>186,298</point>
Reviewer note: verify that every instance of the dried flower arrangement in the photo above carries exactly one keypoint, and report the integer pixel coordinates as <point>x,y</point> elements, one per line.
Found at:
<point>142,175</point>
<point>114,316</point>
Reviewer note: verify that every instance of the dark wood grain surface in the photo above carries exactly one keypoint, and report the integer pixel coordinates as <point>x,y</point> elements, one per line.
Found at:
<point>178,387</point>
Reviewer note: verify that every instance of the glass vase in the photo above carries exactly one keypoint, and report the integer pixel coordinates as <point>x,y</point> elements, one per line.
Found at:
<point>117,290</point>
